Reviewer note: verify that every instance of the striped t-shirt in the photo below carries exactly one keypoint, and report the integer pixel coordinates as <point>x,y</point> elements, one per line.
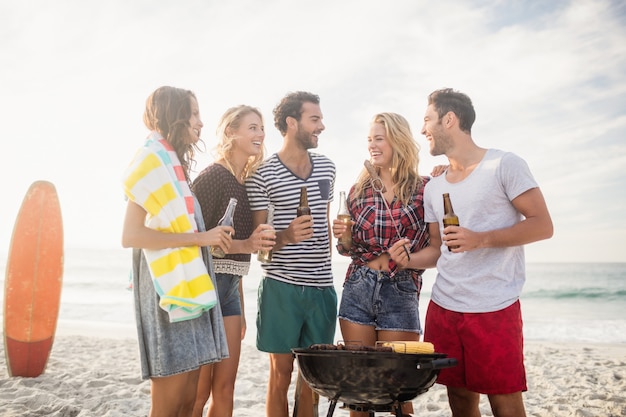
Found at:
<point>307,262</point>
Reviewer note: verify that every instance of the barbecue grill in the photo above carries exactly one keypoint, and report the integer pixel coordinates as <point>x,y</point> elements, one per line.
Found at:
<point>369,380</point>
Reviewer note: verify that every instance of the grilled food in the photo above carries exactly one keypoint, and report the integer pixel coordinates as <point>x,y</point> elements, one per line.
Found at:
<point>411,347</point>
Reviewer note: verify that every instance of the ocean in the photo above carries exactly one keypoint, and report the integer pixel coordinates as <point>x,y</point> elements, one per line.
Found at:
<point>561,302</point>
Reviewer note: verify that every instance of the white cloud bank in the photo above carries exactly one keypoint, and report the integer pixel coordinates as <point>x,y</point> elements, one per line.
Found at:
<point>547,80</point>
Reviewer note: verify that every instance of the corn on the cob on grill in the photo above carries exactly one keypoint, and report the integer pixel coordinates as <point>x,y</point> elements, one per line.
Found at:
<point>411,347</point>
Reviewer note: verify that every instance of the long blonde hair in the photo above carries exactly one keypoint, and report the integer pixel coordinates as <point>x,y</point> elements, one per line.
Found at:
<point>229,122</point>
<point>405,158</point>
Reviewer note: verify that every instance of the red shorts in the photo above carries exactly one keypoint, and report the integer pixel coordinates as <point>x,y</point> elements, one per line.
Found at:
<point>489,348</point>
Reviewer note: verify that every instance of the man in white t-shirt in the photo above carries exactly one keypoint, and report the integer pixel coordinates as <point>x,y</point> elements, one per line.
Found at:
<point>474,314</point>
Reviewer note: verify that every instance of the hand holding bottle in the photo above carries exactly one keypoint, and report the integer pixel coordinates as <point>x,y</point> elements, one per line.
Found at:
<point>218,237</point>
<point>340,227</point>
<point>262,241</point>
<point>300,228</point>
<point>303,209</point>
<point>449,219</point>
<point>265,235</point>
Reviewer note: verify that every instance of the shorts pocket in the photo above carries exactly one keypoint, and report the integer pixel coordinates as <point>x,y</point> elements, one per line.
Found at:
<point>357,276</point>
<point>406,286</point>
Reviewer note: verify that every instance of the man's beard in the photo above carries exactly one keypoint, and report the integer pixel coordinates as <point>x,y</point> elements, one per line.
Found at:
<point>441,143</point>
<point>304,138</point>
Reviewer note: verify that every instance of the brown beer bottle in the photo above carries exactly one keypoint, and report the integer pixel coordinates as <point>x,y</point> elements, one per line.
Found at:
<point>449,218</point>
<point>226,220</point>
<point>303,207</point>
<point>344,215</point>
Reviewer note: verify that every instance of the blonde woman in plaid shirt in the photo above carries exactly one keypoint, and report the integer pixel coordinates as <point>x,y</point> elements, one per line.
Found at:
<point>391,246</point>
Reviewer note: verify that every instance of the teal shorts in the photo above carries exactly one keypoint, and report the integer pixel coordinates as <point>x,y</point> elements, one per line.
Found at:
<point>292,316</point>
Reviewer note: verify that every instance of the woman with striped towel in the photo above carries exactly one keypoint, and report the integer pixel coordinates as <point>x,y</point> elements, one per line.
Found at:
<point>179,321</point>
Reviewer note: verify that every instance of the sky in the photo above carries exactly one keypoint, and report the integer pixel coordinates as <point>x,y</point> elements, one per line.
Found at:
<point>547,79</point>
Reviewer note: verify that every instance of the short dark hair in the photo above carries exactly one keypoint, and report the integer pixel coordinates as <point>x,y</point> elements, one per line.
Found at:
<point>291,106</point>
<point>447,99</point>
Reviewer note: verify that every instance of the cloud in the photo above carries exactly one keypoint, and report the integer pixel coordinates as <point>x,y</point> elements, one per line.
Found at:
<point>547,80</point>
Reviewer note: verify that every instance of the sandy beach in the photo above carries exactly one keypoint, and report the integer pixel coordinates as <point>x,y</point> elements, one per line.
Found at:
<point>94,371</point>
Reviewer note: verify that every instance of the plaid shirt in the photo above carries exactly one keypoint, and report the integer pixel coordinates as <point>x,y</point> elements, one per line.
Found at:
<point>373,232</point>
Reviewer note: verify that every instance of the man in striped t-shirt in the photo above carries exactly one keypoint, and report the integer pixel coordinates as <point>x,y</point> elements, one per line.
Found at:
<point>297,299</point>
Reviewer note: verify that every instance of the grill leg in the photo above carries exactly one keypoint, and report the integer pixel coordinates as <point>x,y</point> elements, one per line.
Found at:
<point>296,405</point>
<point>331,408</point>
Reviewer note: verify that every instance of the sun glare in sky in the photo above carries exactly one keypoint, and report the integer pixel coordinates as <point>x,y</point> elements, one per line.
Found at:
<point>548,80</point>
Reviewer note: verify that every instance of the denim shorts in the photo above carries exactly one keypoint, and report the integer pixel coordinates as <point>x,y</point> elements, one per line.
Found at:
<point>228,291</point>
<point>373,298</point>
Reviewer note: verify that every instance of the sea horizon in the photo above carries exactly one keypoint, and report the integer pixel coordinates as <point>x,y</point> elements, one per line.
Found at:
<point>561,301</point>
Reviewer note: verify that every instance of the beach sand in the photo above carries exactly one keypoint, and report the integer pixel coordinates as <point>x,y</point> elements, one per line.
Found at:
<point>94,371</point>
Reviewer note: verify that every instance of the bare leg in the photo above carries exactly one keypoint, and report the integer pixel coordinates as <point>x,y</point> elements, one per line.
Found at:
<point>281,368</point>
<point>304,399</point>
<point>174,395</point>
<point>204,389</point>
<point>357,333</point>
<point>463,403</point>
<point>225,372</point>
<point>507,405</point>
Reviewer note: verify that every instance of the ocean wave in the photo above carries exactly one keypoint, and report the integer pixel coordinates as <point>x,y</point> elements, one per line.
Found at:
<point>591,293</point>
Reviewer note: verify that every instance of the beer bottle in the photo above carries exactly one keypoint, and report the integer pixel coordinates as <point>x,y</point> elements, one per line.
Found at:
<point>303,207</point>
<point>344,215</point>
<point>449,218</point>
<point>266,255</point>
<point>226,220</point>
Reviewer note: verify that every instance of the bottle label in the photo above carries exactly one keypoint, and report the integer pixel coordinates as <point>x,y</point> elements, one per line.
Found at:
<point>452,221</point>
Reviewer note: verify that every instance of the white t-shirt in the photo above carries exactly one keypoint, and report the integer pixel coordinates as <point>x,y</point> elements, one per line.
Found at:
<point>481,280</point>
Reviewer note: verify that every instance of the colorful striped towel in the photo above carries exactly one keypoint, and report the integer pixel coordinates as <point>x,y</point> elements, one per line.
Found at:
<point>155,180</point>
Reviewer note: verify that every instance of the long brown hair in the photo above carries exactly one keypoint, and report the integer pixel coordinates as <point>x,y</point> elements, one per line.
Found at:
<point>168,110</point>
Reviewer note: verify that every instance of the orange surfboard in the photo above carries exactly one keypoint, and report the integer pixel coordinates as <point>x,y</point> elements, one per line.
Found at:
<point>32,288</point>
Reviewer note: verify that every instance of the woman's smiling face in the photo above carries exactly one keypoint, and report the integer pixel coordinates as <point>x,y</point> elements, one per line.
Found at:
<point>380,150</point>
